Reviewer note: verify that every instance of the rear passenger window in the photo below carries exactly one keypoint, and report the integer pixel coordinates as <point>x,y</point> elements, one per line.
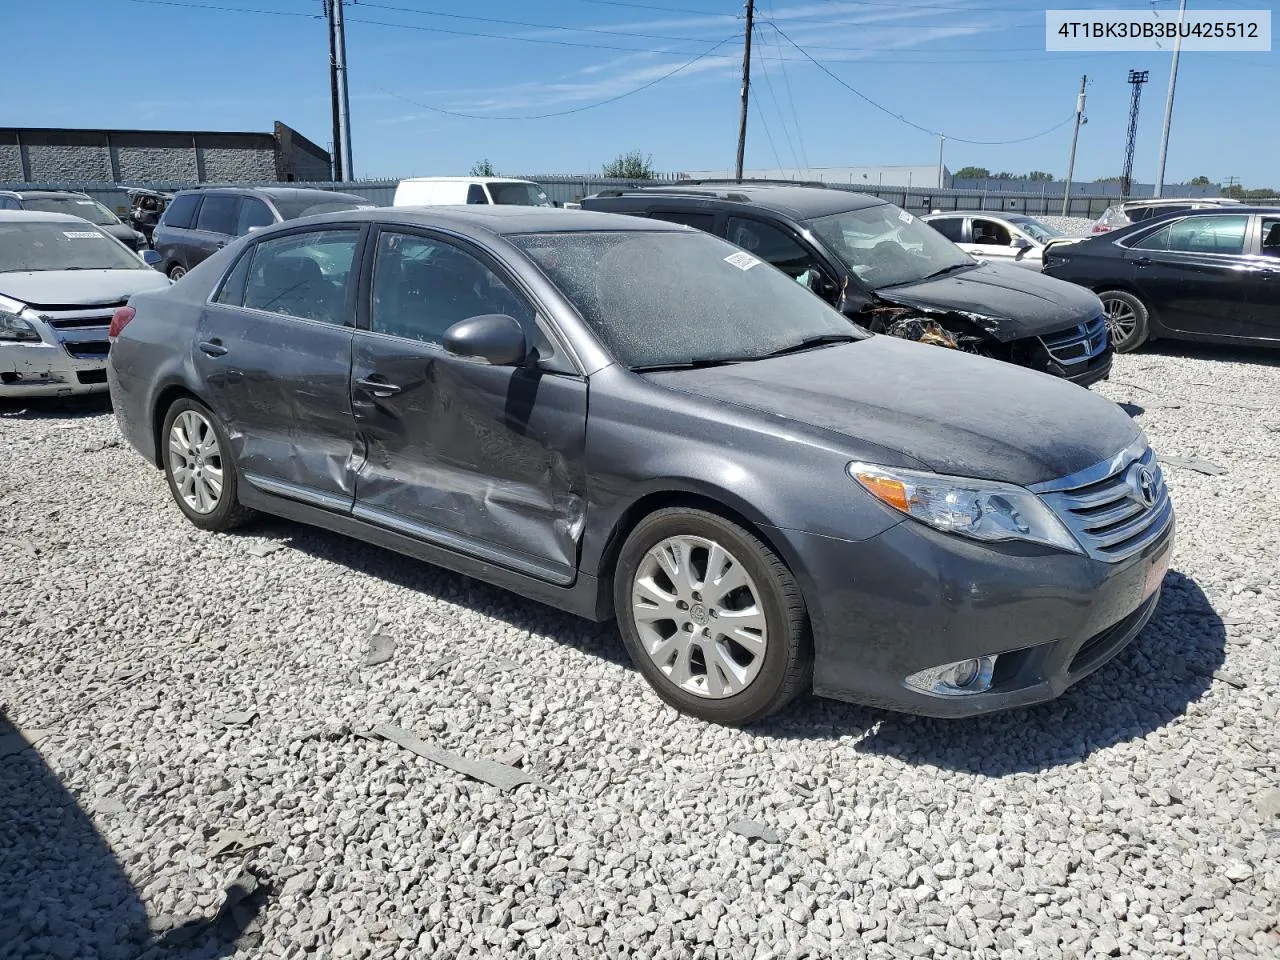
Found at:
<point>304,275</point>
<point>700,221</point>
<point>218,215</point>
<point>773,245</point>
<point>1209,234</point>
<point>949,227</point>
<point>181,211</point>
<point>232,292</point>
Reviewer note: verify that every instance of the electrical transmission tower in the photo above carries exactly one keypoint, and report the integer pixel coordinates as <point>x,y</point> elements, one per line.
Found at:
<point>1136,79</point>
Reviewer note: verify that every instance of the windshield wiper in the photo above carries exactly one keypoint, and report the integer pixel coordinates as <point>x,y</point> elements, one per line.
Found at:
<point>808,343</point>
<point>932,276</point>
<point>694,364</point>
<point>811,343</point>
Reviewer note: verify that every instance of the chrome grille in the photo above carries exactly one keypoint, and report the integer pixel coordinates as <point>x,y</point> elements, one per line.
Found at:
<point>1080,344</point>
<point>1108,508</point>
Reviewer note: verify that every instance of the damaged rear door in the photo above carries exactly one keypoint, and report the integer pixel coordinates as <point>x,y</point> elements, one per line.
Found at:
<point>485,460</point>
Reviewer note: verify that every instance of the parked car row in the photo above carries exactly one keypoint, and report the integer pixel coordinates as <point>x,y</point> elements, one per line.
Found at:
<point>768,496</point>
<point>74,204</point>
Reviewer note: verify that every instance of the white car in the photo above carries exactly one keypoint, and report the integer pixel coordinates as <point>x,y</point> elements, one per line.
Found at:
<point>1001,238</point>
<point>448,191</point>
<point>61,280</point>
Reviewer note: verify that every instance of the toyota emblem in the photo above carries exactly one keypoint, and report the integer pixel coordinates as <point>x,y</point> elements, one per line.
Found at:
<point>1144,486</point>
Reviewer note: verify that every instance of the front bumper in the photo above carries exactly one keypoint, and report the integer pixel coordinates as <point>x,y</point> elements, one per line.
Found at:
<point>913,598</point>
<point>48,370</point>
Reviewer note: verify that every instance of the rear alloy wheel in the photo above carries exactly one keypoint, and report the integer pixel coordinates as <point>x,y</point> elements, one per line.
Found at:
<point>198,466</point>
<point>177,272</point>
<point>711,617</point>
<point>1127,319</point>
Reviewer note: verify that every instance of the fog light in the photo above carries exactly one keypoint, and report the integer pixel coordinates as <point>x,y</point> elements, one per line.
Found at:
<point>959,679</point>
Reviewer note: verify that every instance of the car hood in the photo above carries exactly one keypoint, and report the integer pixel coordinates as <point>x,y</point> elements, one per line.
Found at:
<point>78,288</point>
<point>951,412</point>
<point>1007,302</point>
<point>121,231</point>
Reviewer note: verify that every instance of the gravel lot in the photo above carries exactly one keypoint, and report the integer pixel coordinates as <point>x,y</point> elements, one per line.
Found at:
<point>190,684</point>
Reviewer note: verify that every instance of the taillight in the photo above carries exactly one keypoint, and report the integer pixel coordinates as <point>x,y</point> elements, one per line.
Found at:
<point>119,320</point>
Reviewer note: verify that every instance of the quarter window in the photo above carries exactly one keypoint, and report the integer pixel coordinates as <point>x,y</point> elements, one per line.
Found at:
<point>1223,234</point>
<point>1271,237</point>
<point>304,275</point>
<point>218,215</point>
<point>423,286</point>
<point>949,227</point>
<point>232,292</point>
<point>701,221</point>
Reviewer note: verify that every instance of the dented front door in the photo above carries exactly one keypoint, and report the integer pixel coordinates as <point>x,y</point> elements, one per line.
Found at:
<point>480,459</point>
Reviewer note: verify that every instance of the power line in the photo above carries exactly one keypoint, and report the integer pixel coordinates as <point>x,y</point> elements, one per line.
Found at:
<point>910,123</point>
<point>564,113</point>
<point>205,6</point>
<point>786,132</point>
<point>786,80</point>
<point>768,136</point>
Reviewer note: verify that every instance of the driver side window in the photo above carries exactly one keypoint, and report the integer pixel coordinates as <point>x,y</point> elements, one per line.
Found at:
<point>774,246</point>
<point>422,286</point>
<point>990,233</point>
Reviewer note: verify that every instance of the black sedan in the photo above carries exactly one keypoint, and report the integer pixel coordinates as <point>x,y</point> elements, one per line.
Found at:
<point>628,418</point>
<point>1211,275</point>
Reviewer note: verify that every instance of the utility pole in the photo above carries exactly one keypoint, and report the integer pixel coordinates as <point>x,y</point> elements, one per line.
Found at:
<point>746,91</point>
<point>336,155</point>
<point>1075,139</point>
<point>344,106</point>
<point>1136,79</point>
<point>942,181</point>
<point>1168,102</point>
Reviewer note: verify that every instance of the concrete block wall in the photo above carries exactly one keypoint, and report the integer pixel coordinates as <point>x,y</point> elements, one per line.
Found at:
<point>68,161</point>
<point>227,164</point>
<point>154,163</point>
<point>10,160</point>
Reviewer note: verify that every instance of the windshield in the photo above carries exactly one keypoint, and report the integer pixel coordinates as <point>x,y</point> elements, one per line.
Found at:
<point>52,245</point>
<point>518,194</point>
<point>676,298</point>
<point>1033,228</point>
<point>884,245</point>
<point>310,207</point>
<point>82,207</point>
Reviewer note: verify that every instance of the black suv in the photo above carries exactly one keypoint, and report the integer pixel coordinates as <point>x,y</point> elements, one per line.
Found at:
<point>198,222</point>
<point>890,271</point>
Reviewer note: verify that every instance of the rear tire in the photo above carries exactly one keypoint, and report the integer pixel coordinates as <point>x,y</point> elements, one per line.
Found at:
<point>1128,320</point>
<point>712,617</point>
<point>200,468</point>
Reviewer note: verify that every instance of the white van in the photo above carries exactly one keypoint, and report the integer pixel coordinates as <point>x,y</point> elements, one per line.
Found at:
<point>440,191</point>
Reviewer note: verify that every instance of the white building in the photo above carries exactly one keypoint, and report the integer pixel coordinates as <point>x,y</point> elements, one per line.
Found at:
<point>923,176</point>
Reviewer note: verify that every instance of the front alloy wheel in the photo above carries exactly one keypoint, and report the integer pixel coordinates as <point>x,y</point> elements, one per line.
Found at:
<point>1127,319</point>
<point>711,616</point>
<point>698,614</point>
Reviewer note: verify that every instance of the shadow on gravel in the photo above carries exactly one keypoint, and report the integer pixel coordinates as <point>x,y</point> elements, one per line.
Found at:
<point>63,894</point>
<point>1260,355</point>
<point>55,408</point>
<point>1167,667</point>
<point>596,639</point>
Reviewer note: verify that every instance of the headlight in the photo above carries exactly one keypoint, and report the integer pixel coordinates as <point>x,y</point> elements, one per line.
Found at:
<point>979,509</point>
<point>15,328</point>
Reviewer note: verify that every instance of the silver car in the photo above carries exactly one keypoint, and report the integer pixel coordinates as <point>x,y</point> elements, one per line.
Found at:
<point>61,280</point>
<point>1001,238</point>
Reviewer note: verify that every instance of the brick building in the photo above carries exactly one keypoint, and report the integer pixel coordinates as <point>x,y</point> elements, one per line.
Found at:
<point>50,155</point>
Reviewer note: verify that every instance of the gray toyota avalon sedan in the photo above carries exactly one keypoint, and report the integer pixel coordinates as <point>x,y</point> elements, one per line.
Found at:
<point>627,418</point>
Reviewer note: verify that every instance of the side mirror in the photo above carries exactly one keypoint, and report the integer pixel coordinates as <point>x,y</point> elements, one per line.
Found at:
<point>1020,243</point>
<point>151,258</point>
<point>493,337</point>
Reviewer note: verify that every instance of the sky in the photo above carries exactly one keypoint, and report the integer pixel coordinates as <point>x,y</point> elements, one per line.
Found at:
<point>971,69</point>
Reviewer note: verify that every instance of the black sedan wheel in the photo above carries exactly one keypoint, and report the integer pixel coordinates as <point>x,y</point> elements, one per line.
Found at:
<point>1127,319</point>
<point>712,617</point>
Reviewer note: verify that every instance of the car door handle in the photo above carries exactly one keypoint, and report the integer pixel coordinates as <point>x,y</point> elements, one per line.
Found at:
<point>1142,261</point>
<point>379,388</point>
<point>213,348</point>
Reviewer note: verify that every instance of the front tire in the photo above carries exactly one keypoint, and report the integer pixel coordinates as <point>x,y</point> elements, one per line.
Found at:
<point>177,272</point>
<point>1128,320</point>
<point>199,467</point>
<point>712,617</point>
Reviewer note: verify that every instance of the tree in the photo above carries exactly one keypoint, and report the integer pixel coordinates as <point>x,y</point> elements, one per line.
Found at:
<point>1003,175</point>
<point>971,173</point>
<point>1108,179</point>
<point>1039,176</point>
<point>1235,190</point>
<point>483,168</point>
<point>630,166</point>
<point>1198,182</point>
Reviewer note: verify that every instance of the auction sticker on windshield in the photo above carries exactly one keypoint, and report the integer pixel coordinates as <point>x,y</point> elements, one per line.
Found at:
<point>1158,30</point>
<point>742,260</point>
<point>82,235</point>
<point>905,217</point>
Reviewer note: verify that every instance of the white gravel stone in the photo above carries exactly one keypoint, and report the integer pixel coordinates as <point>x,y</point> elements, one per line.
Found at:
<point>1135,816</point>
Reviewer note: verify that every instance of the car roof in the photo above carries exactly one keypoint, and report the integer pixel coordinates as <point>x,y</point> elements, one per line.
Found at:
<point>42,194</point>
<point>791,200</point>
<point>464,180</point>
<point>499,220</point>
<point>277,193</point>
<point>1226,201</point>
<point>37,216</point>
